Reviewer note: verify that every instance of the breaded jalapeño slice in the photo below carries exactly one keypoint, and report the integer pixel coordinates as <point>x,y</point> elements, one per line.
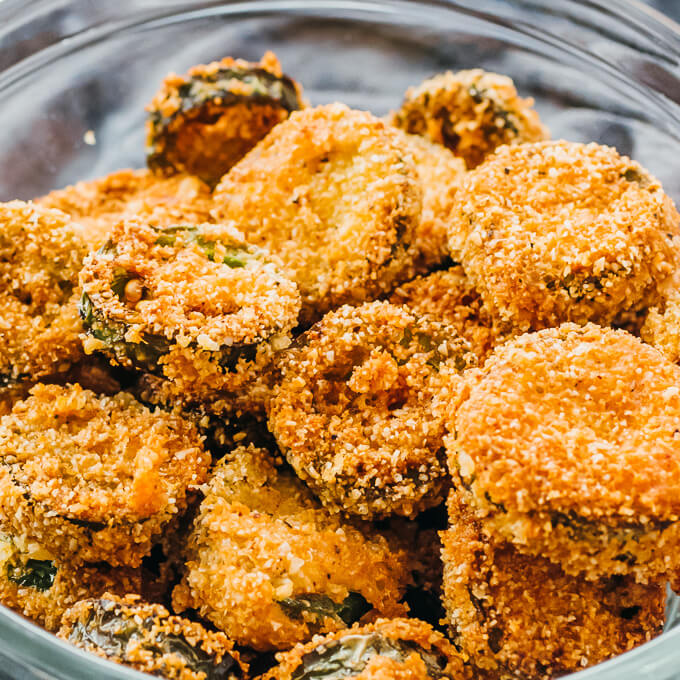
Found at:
<point>353,412</point>
<point>147,637</point>
<point>194,304</point>
<point>270,566</point>
<point>41,252</point>
<point>94,478</point>
<point>470,112</point>
<point>208,119</point>
<point>566,444</point>
<point>521,616</point>
<point>389,648</point>
<point>335,194</point>
<point>99,204</point>
<point>560,231</point>
<point>42,587</point>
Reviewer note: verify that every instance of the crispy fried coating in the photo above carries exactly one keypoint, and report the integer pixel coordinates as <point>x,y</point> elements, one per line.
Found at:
<point>352,413</point>
<point>145,636</point>
<point>92,373</point>
<point>566,443</point>
<point>94,478</point>
<point>41,587</point>
<point>270,567</point>
<point>99,204</point>
<point>661,327</point>
<point>41,252</point>
<point>333,192</point>
<point>208,409</point>
<point>226,423</point>
<point>440,173</point>
<point>196,305</point>
<point>12,394</point>
<point>560,231</point>
<point>520,616</point>
<point>396,649</point>
<point>206,120</point>
<point>469,112</point>
<point>448,295</point>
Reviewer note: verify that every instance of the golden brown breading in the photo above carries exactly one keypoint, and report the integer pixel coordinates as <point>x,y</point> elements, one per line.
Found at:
<point>333,192</point>
<point>449,296</point>
<point>469,112</point>
<point>269,566</point>
<point>661,327</point>
<point>352,413</point>
<point>396,649</point>
<point>41,252</point>
<point>94,478</point>
<point>440,173</point>
<point>146,637</point>
<point>99,204</point>
<point>41,587</point>
<point>559,231</point>
<point>208,119</point>
<point>91,373</point>
<point>195,305</point>
<point>520,616</point>
<point>226,423</point>
<point>566,443</point>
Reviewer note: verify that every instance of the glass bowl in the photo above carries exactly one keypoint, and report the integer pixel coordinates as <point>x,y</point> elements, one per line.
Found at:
<point>75,76</point>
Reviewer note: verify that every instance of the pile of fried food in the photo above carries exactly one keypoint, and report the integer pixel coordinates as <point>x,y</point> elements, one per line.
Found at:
<point>393,398</point>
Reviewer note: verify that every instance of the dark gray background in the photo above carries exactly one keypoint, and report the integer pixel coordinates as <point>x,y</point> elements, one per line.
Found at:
<point>669,7</point>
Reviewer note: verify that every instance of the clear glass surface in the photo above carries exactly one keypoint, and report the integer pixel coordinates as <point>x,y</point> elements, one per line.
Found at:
<point>599,70</point>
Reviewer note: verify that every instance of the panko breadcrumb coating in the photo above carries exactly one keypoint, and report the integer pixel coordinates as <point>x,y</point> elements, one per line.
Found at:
<point>41,252</point>
<point>440,173</point>
<point>270,567</point>
<point>226,423</point>
<point>99,204</point>
<point>195,305</point>
<point>206,120</point>
<point>353,413</point>
<point>145,636</point>
<point>520,616</point>
<point>41,587</point>
<point>469,112</point>
<point>560,231</point>
<point>92,373</point>
<point>567,444</point>
<point>449,296</point>
<point>335,194</point>
<point>661,327</point>
<point>94,478</point>
<point>397,649</point>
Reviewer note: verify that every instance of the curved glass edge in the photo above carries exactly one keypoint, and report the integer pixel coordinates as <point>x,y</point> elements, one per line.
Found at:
<point>672,26</point>
<point>64,662</point>
<point>642,55</point>
<point>61,661</point>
